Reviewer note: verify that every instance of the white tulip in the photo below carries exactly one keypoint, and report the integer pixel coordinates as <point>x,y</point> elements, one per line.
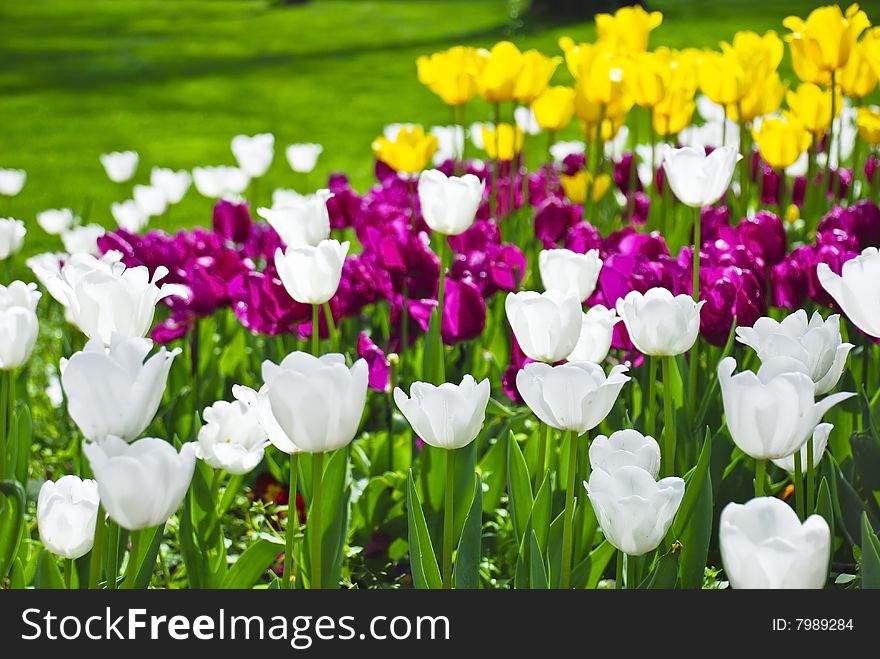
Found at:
<point>634,510</point>
<point>643,152</point>
<point>56,221</point>
<point>449,203</point>
<point>625,448</point>
<point>820,442</point>
<point>232,437</point>
<point>815,343</point>
<point>67,513</point>
<point>115,392</point>
<point>311,274</point>
<point>83,239</point>
<point>449,416</point>
<point>771,414</point>
<point>104,297</point>
<point>855,289</point>
<point>574,396</point>
<point>616,146</point>
<point>696,179</point>
<point>562,150</point>
<point>12,181</point>
<point>141,484</point>
<point>546,325</point>
<point>659,323</point>
<point>286,197</point>
<point>19,325</point>
<point>300,221</point>
<point>150,199</point>
<point>310,404</point>
<point>475,133</point>
<point>525,119</point>
<point>173,184</point>
<point>254,154</point>
<point>303,158</point>
<point>216,182</point>
<point>764,545</point>
<point>129,216</point>
<point>46,267</point>
<point>12,234</point>
<point>597,330</point>
<point>569,272</point>
<point>120,165</point>
<point>450,143</point>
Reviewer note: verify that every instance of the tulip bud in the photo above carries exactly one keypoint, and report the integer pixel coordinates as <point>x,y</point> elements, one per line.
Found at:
<point>820,442</point>
<point>815,344</point>
<point>120,165</point>
<point>449,416</point>
<point>141,484</point>
<point>173,184</point>
<point>764,545</point>
<point>254,154</point>
<point>660,324</point>
<point>625,448</point>
<point>449,203</point>
<point>12,181</point>
<point>310,404</point>
<point>597,331</point>
<point>311,274</point>
<point>570,273</point>
<point>67,512</point>
<point>574,396</point>
<point>698,179</point>
<point>56,221</point>
<point>19,325</point>
<point>634,510</point>
<point>301,221</point>
<point>303,157</point>
<point>232,437</point>
<point>114,392</point>
<point>855,289</point>
<point>546,325</point>
<point>12,234</point>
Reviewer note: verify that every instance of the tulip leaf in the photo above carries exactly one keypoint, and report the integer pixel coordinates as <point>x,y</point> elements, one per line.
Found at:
<point>866,460</point>
<point>492,466</point>
<point>48,574</point>
<point>519,488</point>
<point>664,576</point>
<point>522,576</point>
<point>870,564</point>
<point>196,568</point>
<point>598,561</point>
<point>848,504</point>
<point>22,430</point>
<point>696,537</point>
<point>540,578</point>
<point>151,540</point>
<point>233,355</point>
<point>694,482</point>
<point>467,558</point>
<point>425,571</point>
<point>541,513</point>
<point>17,575</point>
<point>252,564</point>
<point>12,507</point>
<point>824,506</point>
<point>497,409</point>
<point>335,498</point>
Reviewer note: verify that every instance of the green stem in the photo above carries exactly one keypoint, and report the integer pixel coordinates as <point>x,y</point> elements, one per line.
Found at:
<point>316,338</point>
<point>442,252</point>
<point>760,476</point>
<point>131,568</point>
<point>829,181</point>
<point>331,327</point>
<point>565,575</point>
<point>97,549</point>
<point>631,569</point>
<point>315,518</point>
<point>68,573</point>
<point>798,478</point>
<point>448,519</point>
<point>651,407</point>
<point>543,440</point>
<point>292,523</point>
<point>668,418</point>
<point>811,478</point>
<point>5,378</point>
<point>698,243</point>
<point>404,333</point>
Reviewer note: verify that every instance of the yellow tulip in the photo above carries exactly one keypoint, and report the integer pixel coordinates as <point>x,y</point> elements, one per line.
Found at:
<point>822,43</point>
<point>723,78</point>
<point>610,128</point>
<point>781,141</point>
<point>535,75</point>
<point>502,142</point>
<point>858,79</point>
<point>590,110</point>
<point>674,113</point>
<point>648,77</point>
<point>764,97</point>
<point>871,49</point>
<point>627,31</point>
<point>579,184</point>
<point>759,54</point>
<point>554,108</point>
<point>868,121</point>
<point>792,213</point>
<point>451,74</point>
<point>811,105</point>
<point>409,153</point>
<point>497,79</point>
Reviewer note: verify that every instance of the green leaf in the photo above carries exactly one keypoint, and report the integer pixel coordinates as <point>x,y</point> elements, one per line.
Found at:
<point>541,514</point>
<point>334,519</point>
<point>599,559</point>
<point>694,481</point>
<point>426,573</point>
<point>493,468</point>
<point>870,546</point>
<point>467,558</point>
<point>23,431</point>
<point>147,556</point>
<point>233,355</point>
<point>665,573</point>
<point>48,574</point>
<point>497,409</point>
<point>540,578</point>
<point>824,505</point>
<point>252,564</point>
<point>12,506</point>
<point>695,539</point>
<point>519,488</point>
<point>17,575</point>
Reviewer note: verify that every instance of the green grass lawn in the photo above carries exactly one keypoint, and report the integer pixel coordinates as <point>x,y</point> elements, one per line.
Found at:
<point>176,79</point>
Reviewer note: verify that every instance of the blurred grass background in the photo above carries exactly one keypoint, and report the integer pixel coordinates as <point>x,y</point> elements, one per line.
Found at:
<point>176,79</point>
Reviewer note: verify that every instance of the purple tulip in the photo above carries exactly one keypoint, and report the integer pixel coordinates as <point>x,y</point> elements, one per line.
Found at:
<point>872,164</point>
<point>518,359</point>
<point>345,204</point>
<point>378,365</point>
<point>464,312</point>
<point>764,236</point>
<point>553,219</point>
<point>861,222</point>
<point>582,237</point>
<point>232,221</point>
<point>788,283</point>
<point>262,304</point>
<point>729,292</point>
